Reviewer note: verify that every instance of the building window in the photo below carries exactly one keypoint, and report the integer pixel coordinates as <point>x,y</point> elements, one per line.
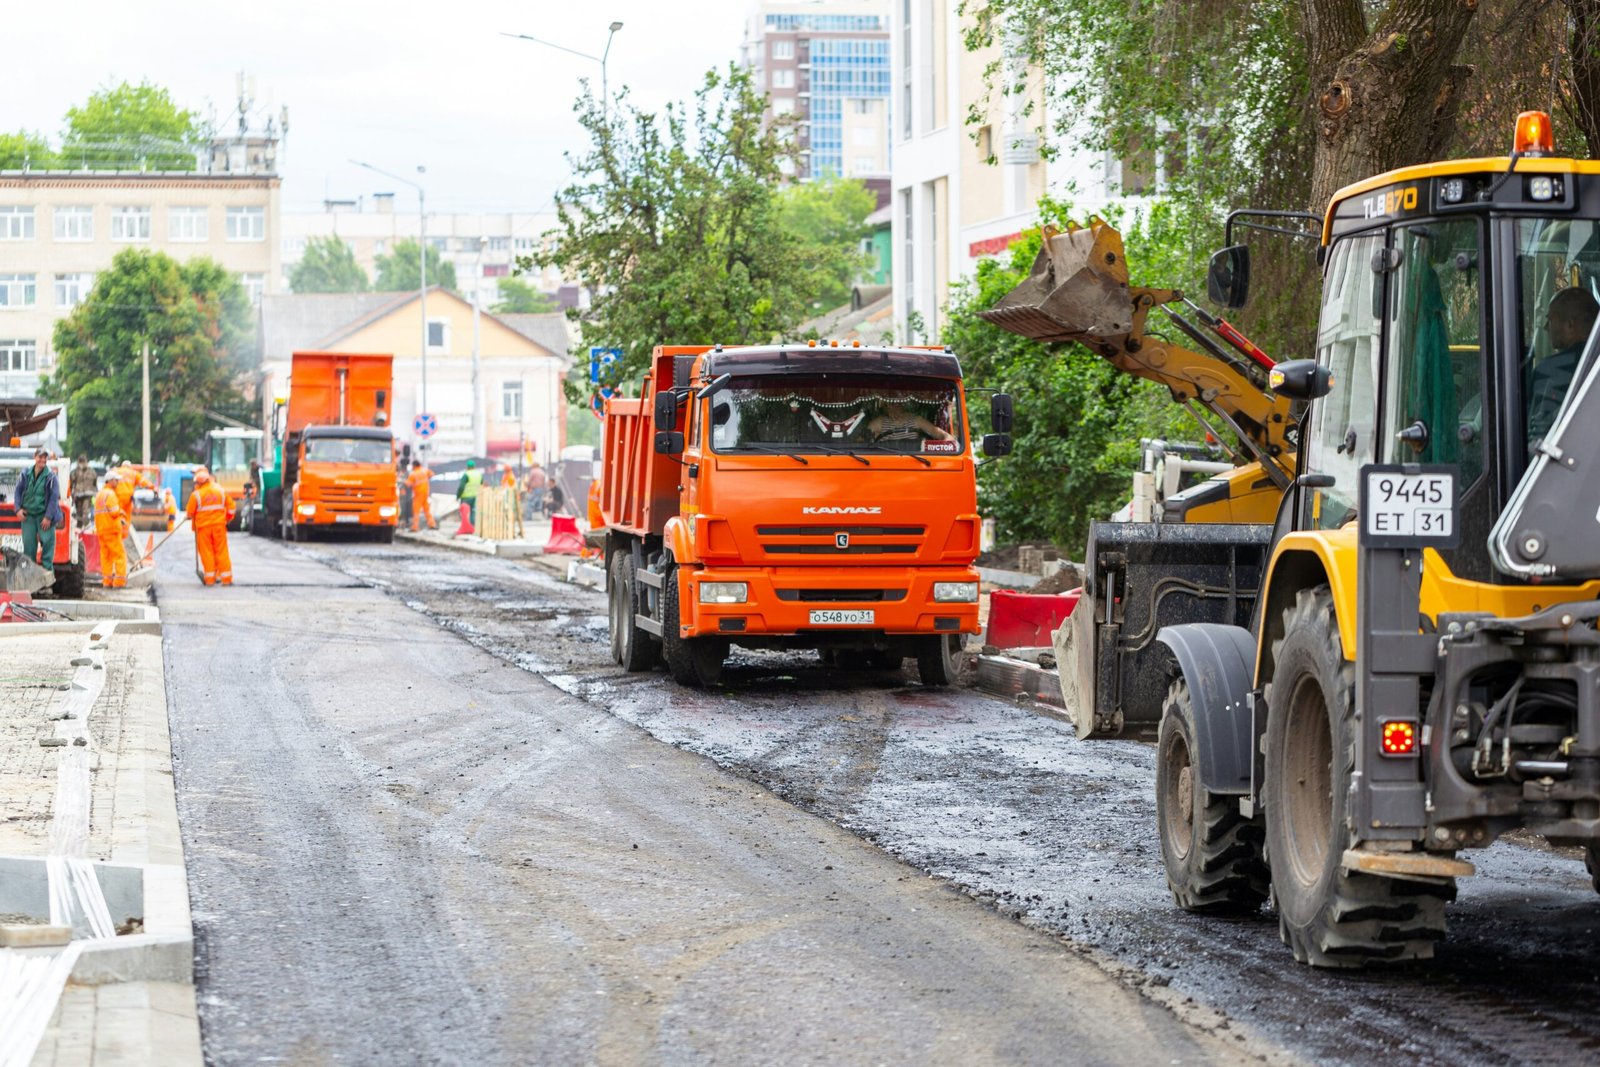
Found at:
<point>511,400</point>
<point>499,244</point>
<point>865,164</point>
<point>783,49</point>
<point>438,335</point>
<point>380,247</point>
<point>907,84</point>
<point>783,79</point>
<point>908,255</point>
<point>188,224</point>
<point>783,105</point>
<point>19,356</point>
<point>130,223</point>
<point>16,222</point>
<point>17,291</point>
<point>247,224</point>
<point>523,244</point>
<point>75,222</point>
<point>255,285</point>
<point>72,288</point>
<point>497,270</point>
<point>861,107</point>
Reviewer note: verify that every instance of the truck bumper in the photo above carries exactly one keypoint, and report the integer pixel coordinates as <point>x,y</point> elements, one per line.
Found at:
<point>864,602</point>
<point>316,513</point>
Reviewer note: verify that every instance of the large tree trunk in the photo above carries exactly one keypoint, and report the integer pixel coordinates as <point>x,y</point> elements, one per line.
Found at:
<point>1386,94</point>
<point>1585,45</point>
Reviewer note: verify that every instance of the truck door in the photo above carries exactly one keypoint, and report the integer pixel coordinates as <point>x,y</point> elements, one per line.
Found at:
<point>1343,433</point>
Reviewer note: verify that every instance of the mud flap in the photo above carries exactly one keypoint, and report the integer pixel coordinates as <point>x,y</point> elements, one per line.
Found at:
<point>1218,663</point>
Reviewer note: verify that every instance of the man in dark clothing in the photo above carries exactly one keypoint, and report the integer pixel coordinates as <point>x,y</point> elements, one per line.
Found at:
<point>39,502</point>
<point>1570,316</point>
<point>85,484</point>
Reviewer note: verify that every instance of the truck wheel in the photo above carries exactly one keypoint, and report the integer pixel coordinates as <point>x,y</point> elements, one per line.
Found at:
<point>272,512</point>
<point>386,536</point>
<point>1330,917</point>
<point>615,606</point>
<point>693,661</point>
<point>939,659</point>
<point>1591,863</point>
<point>69,581</point>
<point>1213,855</point>
<point>636,649</point>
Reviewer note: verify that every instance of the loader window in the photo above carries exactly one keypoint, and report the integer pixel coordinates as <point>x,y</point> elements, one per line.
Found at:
<point>1344,424</point>
<point>821,414</point>
<point>1558,274</point>
<point>1434,392</point>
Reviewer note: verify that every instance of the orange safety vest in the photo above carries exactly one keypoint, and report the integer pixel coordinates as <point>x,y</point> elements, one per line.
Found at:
<point>419,479</point>
<point>107,512</point>
<point>209,506</point>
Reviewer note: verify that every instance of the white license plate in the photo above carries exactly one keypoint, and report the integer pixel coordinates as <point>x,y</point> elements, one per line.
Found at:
<point>827,617</point>
<point>1409,505</point>
<point>347,518</point>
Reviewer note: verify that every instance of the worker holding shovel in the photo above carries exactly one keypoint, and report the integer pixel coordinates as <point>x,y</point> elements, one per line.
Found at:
<point>110,525</point>
<point>211,510</point>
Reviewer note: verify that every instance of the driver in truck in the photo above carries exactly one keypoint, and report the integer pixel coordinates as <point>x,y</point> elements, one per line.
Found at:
<point>1569,317</point>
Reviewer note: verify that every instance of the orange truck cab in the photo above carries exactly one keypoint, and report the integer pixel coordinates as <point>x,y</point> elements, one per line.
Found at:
<point>338,453</point>
<point>793,496</point>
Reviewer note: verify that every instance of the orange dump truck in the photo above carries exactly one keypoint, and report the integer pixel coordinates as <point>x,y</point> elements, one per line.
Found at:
<point>795,496</point>
<point>336,448</point>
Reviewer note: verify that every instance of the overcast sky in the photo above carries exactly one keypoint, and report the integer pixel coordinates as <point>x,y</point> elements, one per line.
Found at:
<point>395,84</point>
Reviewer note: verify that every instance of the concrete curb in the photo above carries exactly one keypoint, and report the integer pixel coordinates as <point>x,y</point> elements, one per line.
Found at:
<point>581,573</point>
<point>519,550</point>
<point>88,615</point>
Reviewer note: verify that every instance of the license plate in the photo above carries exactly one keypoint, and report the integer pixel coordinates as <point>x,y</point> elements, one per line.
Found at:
<point>347,518</point>
<point>828,617</point>
<point>1403,508</point>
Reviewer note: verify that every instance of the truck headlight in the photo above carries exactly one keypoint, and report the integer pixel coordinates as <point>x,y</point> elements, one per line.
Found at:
<point>724,592</point>
<point>386,511</point>
<point>955,592</point>
<point>307,509</point>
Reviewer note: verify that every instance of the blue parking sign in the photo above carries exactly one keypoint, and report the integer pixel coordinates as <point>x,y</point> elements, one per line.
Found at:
<point>600,358</point>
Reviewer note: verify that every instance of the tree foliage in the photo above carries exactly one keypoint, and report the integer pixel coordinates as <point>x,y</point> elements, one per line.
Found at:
<point>518,296</point>
<point>398,271</point>
<point>25,150</point>
<point>830,213</point>
<point>675,224</point>
<point>328,266</point>
<point>127,125</point>
<point>196,318</point>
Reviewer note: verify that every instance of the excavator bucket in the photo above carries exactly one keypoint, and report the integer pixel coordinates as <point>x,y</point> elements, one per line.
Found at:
<point>23,575</point>
<point>1076,291</point>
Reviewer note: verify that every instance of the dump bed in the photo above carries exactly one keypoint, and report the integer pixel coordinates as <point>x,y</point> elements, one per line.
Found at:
<point>639,488</point>
<point>339,389</point>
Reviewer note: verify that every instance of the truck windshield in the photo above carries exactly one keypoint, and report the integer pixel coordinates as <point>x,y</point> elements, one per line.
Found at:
<point>234,453</point>
<point>825,414</point>
<point>1558,271</point>
<point>349,450</point>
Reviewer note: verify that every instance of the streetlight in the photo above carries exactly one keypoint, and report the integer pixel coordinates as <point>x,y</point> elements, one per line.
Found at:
<point>422,263</point>
<point>605,99</point>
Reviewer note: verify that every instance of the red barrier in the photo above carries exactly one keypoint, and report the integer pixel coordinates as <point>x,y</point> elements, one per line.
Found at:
<point>91,553</point>
<point>1026,620</point>
<point>565,540</point>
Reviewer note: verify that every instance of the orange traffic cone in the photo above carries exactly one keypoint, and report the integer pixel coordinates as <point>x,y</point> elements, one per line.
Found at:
<point>466,522</point>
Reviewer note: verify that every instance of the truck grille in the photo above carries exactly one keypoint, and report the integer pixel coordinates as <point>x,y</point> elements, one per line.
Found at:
<point>823,540</point>
<point>842,596</point>
<point>349,494</point>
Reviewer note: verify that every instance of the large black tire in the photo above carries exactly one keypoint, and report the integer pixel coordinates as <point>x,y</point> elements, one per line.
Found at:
<point>69,581</point>
<point>272,510</point>
<point>386,536</point>
<point>1591,861</point>
<point>939,659</point>
<point>1213,855</point>
<point>616,604</point>
<point>1330,917</point>
<point>636,649</point>
<point>693,661</point>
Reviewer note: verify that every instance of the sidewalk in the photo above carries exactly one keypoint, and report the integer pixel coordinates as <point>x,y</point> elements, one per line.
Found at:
<point>89,844</point>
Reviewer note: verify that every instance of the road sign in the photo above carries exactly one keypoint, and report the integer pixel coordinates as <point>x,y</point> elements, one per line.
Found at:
<point>425,425</point>
<point>599,359</point>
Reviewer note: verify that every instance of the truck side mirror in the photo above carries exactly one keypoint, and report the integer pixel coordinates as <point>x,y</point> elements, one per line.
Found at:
<point>1001,411</point>
<point>1301,379</point>
<point>996,445</point>
<point>668,442</point>
<point>1228,277</point>
<point>666,410</point>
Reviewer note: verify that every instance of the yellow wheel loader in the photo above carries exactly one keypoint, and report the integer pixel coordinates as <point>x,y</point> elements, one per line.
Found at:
<point>1420,673</point>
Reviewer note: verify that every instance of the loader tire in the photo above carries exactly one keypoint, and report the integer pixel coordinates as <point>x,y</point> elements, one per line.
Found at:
<point>1213,855</point>
<point>1591,863</point>
<point>69,581</point>
<point>1328,916</point>
<point>939,659</point>
<point>692,661</point>
<point>637,650</point>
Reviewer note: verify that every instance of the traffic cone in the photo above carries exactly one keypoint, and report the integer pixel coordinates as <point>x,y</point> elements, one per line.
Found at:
<point>466,529</point>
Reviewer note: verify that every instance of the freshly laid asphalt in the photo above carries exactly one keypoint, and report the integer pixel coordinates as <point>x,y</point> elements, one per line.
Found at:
<point>404,848</point>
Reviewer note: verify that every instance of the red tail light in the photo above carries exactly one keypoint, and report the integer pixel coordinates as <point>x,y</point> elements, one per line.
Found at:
<point>1399,738</point>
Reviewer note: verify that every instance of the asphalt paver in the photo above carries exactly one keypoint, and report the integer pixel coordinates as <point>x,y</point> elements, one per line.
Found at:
<point>404,847</point>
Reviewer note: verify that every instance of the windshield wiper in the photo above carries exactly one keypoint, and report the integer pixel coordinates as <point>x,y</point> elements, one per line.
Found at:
<point>839,450</point>
<point>775,450</point>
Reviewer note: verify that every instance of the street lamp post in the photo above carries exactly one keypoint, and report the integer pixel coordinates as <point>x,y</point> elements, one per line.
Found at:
<point>422,266</point>
<point>605,96</point>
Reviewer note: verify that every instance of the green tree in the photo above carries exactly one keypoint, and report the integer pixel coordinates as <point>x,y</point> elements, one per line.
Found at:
<point>130,126</point>
<point>195,318</point>
<point>674,223</point>
<point>517,295</point>
<point>24,149</point>
<point>397,271</point>
<point>328,266</point>
<point>830,213</point>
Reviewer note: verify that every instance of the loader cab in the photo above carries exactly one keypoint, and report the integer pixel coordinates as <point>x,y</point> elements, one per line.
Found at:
<point>1442,328</point>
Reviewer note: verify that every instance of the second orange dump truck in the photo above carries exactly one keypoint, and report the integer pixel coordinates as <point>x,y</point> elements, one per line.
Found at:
<point>794,496</point>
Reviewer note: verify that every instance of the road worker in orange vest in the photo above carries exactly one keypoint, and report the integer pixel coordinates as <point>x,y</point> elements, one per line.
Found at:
<point>110,527</point>
<point>419,481</point>
<point>210,511</point>
<point>128,481</point>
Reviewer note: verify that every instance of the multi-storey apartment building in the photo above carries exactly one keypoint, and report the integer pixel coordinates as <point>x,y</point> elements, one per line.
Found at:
<point>826,62</point>
<point>59,228</point>
<point>483,247</point>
